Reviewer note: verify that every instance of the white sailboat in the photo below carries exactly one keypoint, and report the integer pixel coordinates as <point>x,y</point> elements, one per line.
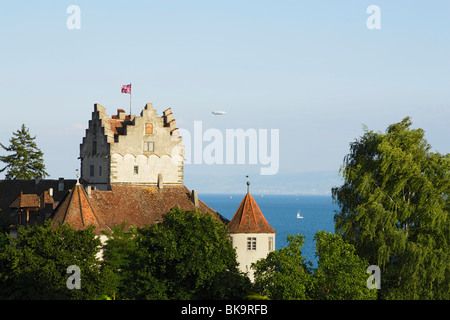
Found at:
<point>299,216</point>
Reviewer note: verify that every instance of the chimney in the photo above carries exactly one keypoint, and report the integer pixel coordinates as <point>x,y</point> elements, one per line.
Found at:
<point>121,114</point>
<point>89,191</point>
<point>61,184</point>
<point>195,198</point>
<point>37,180</point>
<point>50,192</point>
<point>160,181</point>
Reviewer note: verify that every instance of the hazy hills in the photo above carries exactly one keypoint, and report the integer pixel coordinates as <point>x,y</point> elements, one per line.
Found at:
<point>312,183</point>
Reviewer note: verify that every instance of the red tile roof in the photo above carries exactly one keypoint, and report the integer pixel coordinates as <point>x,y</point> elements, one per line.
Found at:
<point>118,125</point>
<point>10,190</point>
<point>26,201</point>
<point>77,210</point>
<point>249,218</point>
<point>136,205</point>
<point>31,200</point>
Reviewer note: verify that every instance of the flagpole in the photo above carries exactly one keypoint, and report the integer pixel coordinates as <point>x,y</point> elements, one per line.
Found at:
<point>130,100</point>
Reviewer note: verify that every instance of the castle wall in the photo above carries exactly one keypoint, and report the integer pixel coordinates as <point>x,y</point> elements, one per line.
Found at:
<point>95,149</point>
<point>142,170</point>
<point>150,147</point>
<point>132,149</point>
<point>246,256</point>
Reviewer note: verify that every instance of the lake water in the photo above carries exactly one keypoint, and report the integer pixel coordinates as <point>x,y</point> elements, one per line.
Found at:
<point>281,213</point>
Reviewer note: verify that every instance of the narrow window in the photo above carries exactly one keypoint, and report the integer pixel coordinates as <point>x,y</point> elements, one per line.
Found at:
<point>136,169</point>
<point>91,170</point>
<point>148,128</point>
<point>251,243</point>
<point>100,171</point>
<point>149,146</point>
<point>270,243</point>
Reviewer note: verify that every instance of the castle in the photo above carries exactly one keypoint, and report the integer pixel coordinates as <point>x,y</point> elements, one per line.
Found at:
<point>132,150</point>
<point>131,171</point>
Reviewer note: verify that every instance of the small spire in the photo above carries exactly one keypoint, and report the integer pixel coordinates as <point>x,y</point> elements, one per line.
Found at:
<point>78,177</point>
<point>248,186</point>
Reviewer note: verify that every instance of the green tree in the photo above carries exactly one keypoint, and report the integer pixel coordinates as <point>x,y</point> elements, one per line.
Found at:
<point>186,256</point>
<point>117,260</point>
<point>26,160</point>
<point>284,274</point>
<point>34,266</point>
<point>341,274</point>
<point>394,208</point>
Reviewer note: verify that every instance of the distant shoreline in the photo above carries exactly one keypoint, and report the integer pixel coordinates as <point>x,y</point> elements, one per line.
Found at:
<point>266,194</point>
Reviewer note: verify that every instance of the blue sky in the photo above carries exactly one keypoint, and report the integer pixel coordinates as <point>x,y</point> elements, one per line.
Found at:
<point>311,69</point>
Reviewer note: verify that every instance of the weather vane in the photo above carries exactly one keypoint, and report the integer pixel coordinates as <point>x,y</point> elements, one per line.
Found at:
<point>248,185</point>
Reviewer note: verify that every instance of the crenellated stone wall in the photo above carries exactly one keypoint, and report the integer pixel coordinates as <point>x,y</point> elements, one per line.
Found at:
<point>129,149</point>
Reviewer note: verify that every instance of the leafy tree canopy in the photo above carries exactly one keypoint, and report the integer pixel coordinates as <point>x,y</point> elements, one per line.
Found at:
<point>284,274</point>
<point>394,208</point>
<point>341,274</point>
<point>186,256</point>
<point>34,266</point>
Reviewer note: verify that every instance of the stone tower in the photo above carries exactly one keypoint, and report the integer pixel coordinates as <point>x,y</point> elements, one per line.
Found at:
<point>251,235</point>
<point>131,150</point>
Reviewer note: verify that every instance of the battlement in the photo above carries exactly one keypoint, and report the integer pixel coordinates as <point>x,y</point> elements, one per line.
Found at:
<point>130,149</point>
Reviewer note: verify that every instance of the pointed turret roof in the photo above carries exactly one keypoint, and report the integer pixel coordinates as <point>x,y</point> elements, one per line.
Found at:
<point>249,218</point>
<point>77,211</point>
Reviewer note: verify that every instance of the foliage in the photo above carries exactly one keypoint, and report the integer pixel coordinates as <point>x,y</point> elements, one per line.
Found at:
<point>255,296</point>
<point>284,274</point>
<point>34,265</point>
<point>26,161</point>
<point>394,208</point>
<point>117,252</point>
<point>186,256</point>
<point>341,274</point>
